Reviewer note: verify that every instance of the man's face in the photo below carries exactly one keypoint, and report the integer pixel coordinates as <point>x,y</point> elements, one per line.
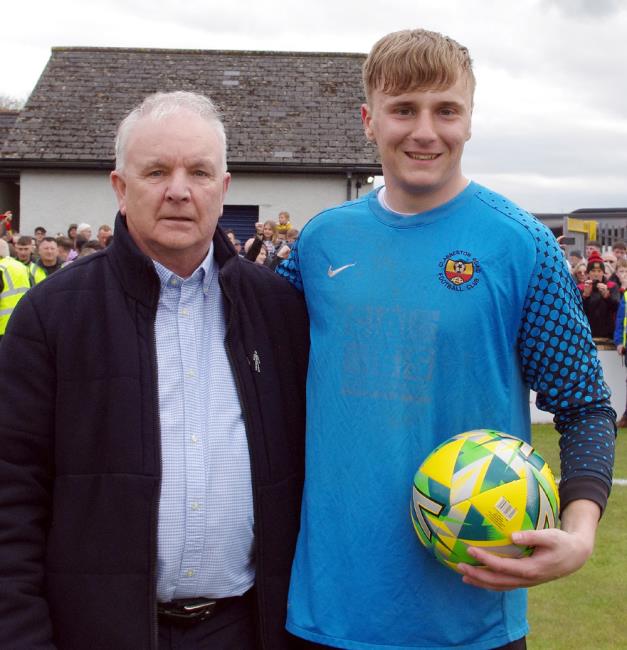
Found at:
<point>620,253</point>
<point>39,235</point>
<point>48,252</point>
<point>103,235</point>
<point>589,250</point>
<point>420,135</point>
<point>23,252</point>
<point>172,188</point>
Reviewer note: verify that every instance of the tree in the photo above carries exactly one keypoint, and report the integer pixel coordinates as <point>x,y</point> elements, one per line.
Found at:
<point>8,103</point>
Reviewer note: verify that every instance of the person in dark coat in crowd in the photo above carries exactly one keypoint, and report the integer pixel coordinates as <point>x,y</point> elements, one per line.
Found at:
<point>600,298</point>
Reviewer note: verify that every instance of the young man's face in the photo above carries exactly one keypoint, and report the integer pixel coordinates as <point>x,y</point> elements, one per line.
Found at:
<point>420,135</point>
<point>23,252</point>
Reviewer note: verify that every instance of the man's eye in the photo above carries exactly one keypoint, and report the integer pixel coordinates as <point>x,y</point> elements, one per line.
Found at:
<point>200,172</point>
<point>404,111</point>
<point>447,112</point>
<point>155,173</point>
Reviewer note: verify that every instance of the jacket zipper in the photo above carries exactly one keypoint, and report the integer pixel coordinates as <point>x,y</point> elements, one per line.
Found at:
<point>240,393</point>
<point>155,504</point>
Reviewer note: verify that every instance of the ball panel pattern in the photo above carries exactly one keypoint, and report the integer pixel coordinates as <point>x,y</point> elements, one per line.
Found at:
<point>476,489</point>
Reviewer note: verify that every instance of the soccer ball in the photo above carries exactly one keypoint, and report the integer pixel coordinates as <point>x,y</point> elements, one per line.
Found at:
<point>478,488</point>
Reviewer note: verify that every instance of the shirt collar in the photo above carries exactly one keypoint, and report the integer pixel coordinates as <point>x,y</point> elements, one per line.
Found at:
<point>202,275</point>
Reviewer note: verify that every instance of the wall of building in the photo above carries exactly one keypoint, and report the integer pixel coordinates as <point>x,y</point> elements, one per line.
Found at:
<point>54,199</point>
<point>302,195</point>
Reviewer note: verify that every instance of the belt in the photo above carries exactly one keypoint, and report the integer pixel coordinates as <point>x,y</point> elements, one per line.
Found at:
<point>191,610</point>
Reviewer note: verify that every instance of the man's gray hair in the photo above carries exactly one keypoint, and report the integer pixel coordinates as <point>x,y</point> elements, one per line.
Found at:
<point>161,105</point>
<point>4,248</point>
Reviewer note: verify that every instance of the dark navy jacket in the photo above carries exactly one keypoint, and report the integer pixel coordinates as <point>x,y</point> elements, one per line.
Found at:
<point>80,447</point>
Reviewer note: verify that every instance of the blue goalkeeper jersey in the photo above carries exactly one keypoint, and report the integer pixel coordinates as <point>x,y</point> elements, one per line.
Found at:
<point>423,327</point>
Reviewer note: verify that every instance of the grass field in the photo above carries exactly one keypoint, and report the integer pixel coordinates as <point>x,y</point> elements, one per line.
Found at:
<point>588,609</point>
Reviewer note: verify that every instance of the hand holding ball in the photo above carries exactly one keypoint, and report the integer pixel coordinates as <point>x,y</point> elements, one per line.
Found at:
<point>478,488</point>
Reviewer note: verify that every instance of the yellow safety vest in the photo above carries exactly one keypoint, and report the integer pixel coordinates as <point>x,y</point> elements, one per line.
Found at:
<point>16,281</point>
<point>37,274</point>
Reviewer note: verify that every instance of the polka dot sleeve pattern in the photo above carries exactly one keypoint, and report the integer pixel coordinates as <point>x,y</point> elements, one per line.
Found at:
<point>559,361</point>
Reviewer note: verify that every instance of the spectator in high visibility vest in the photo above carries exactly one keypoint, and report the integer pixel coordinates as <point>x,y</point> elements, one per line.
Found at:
<point>24,250</point>
<point>48,261</point>
<point>620,333</point>
<point>14,283</point>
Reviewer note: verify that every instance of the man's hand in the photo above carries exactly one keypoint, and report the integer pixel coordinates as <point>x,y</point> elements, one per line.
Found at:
<point>557,553</point>
<point>620,349</point>
<point>603,290</point>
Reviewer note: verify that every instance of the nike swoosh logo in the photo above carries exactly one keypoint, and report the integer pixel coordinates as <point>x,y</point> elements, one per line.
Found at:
<point>333,272</point>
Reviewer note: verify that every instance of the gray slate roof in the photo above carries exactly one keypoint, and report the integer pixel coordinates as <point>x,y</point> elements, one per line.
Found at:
<point>7,120</point>
<point>280,108</point>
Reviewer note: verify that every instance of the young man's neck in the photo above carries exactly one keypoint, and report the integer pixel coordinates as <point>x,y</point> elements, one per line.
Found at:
<point>398,200</point>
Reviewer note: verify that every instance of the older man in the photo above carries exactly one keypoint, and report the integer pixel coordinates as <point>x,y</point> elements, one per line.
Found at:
<point>150,473</point>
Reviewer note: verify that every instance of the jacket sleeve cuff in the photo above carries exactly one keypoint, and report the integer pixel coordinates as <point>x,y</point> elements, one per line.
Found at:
<point>584,487</point>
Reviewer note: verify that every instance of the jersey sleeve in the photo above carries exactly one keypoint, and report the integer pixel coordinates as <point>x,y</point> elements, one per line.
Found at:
<point>559,361</point>
<point>290,268</point>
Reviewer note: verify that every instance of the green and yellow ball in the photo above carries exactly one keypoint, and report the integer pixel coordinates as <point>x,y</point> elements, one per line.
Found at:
<point>478,488</point>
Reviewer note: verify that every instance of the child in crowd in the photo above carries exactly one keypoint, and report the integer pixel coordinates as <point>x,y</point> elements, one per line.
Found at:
<point>270,238</point>
<point>284,225</point>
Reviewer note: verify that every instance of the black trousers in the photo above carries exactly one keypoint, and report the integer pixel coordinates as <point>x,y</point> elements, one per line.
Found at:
<point>520,644</point>
<point>230,628</point>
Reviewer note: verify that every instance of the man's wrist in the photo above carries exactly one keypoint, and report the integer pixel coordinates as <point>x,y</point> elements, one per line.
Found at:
<point>581,518</point>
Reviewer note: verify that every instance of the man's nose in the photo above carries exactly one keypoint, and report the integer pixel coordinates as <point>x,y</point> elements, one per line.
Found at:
<point>423,127</point>
<point>178,188</point>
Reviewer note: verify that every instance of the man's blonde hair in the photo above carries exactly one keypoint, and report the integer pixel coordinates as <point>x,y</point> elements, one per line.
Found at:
<point>415,59</point>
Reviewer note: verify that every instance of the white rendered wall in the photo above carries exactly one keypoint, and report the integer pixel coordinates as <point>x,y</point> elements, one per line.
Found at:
<point>55,199</point>
<point>302,195</point>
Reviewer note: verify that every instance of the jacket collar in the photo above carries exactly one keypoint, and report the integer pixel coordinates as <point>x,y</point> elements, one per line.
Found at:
<point>136,271</point>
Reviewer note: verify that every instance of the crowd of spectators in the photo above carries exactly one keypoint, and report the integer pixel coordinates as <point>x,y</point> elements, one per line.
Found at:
<point>602,280</point>
<point>600,277</point>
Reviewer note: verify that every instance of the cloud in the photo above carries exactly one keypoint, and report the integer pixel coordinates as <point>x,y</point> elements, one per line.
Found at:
<point>586,7</point>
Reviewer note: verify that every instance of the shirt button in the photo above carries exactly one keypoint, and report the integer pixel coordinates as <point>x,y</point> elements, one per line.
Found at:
<point>189,573</point>
<point>174,282</point>
<point>194,439</point>
<point>190,374</point>
<point>195,505</point>
<point>184,311</point>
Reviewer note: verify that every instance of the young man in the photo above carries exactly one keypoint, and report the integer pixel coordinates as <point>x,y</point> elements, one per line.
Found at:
<point>450,304</point>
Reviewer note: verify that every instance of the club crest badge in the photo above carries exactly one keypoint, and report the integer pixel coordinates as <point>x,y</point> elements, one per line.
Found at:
<point>459,271</point>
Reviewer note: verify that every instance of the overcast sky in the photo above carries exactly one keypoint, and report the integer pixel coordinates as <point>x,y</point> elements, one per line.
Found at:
<point>550,119</point>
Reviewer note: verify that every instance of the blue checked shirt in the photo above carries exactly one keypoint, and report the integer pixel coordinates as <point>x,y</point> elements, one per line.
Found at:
<point>205,544</point>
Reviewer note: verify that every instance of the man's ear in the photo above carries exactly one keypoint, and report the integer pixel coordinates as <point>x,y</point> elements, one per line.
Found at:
<point>119,187</point>
<point>366,119</point>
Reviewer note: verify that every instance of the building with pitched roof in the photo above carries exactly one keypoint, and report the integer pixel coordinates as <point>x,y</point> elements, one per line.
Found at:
<point>295,140</point>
